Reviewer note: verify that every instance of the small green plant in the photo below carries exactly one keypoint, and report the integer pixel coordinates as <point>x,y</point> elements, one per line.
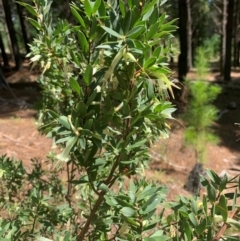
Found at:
<point>213,217</point>
<point>200,113</point>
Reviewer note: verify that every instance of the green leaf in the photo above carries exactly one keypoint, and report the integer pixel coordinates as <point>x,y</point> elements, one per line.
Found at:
<point>236,195</point>
<point>122,8</point>
<point>127,21</point>
<point>213,176</point>
<point>150,205</point>
<point>194,206</point>
<point>188,230</point>
<point>34,23</point>
<point>211,193</point>
<point>63,120</point>
<point>147,14</point>
<point>149,6</point>
<point>223,184</point>
<point>158,238</point>
<point>135,32</point>
<point>168,28</point>
<point>193,219</point>
<point>88,74</point>
<point>167,113</point>
<point>202,226</point>
<point>162,78</point>
<point>136,145</point>
<point>77,16</point>
<point>102,9</point>
<point>81,109</point>
<point>67,236</point>
<point>222,207</point>
<point>128,212</point>
<point>157,51</point>
<point>112,32</point>
<point>29,8</point>
<point>132,186</point>
<point>103,187</point>
<point>96,6</point>
<point>152,30</point>
<point>149,62</point>
<point>234,223</point>
<point>62,140</point>
<point>205,204</point>
<point>88,8</point>
<point>150,89</point>
<point>83,42</point>
<point>147,191</point>
<point>74,84</point>
<point>92,97</point>
<point>64,156</point>
<point>40,238</point>
<point>158,235</point>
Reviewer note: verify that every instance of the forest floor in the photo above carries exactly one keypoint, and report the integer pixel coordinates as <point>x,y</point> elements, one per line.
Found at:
<point>171,160</point>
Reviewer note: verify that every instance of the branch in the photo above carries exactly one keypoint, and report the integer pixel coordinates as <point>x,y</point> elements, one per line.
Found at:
<point>81,236</point>
<point>219,10</point>
<point>224,227</point>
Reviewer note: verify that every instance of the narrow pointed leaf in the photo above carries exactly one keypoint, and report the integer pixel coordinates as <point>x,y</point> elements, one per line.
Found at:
<point>64,156</point>
<point>111,32</point>
<point>135,32</point>
<point>74,84</point>
<point>78,16</point>
<point>88,74</point>
<point>96,6</point>
<point>88,8</point>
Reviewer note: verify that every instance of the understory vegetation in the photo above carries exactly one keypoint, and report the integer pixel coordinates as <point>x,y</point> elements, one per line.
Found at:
<point>201,113</point>
<point>106,87</point>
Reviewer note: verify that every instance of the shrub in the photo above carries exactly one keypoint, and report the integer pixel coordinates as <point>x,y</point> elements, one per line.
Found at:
<point>105,81</point>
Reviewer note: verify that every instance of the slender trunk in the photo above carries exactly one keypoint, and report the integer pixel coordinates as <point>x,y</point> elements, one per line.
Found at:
<point>182,60</point>
<point>229,31</point>
<point>24,28</point>
<point>4,54</point>
<point>15,48</point>
<point>189,35</point>
<point>237,34</point>
<point>224,39</point>
<point>6,32</point>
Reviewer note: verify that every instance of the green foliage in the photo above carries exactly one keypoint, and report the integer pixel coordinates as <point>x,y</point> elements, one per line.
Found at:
<point>200,112</point>
<point>33,206</point>
<point>202,63</point>
<point>32,203</point>
<point>207,218</point>
<point>211,46</point>
<point>105,82</point>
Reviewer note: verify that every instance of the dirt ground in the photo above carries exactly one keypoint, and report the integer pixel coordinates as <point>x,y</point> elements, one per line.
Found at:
<point>171,160</point>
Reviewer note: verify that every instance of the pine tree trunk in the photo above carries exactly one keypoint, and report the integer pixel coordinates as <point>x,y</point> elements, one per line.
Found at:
<point>229,31</point>
<point>237,34</point>
<point>189,35</point>
<point>15,48</point>
<point>224,37</point>
<point>4,54</point>
<point>24,28</point>
<point>183,57</point>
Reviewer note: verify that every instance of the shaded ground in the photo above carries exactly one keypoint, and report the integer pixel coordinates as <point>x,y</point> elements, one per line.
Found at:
<point>172,161</point>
